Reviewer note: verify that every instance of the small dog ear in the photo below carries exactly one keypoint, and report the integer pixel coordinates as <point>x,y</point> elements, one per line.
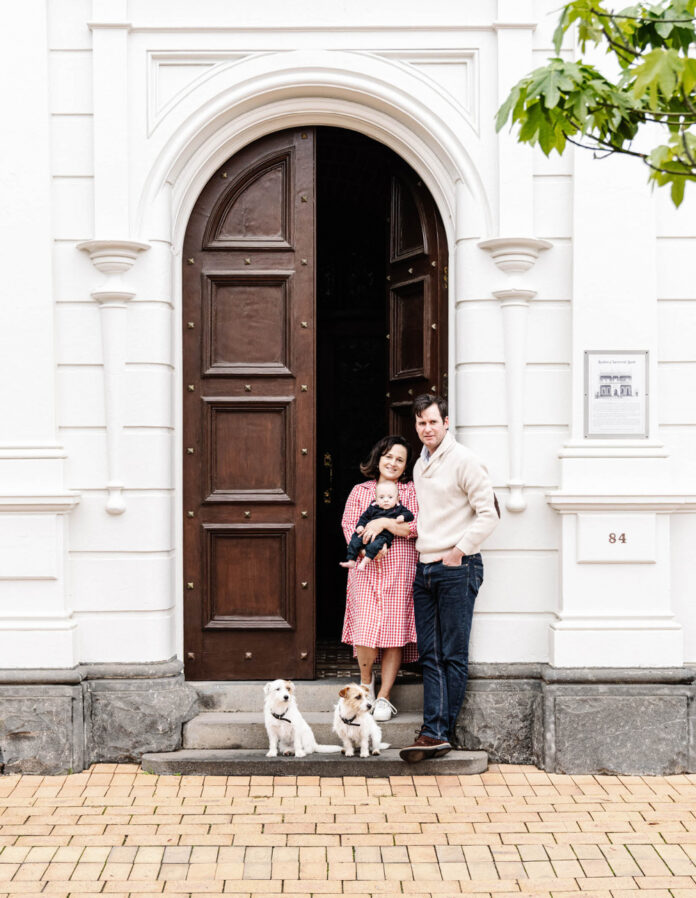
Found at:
<point>290,686</point>
<point>344,692</point>
<point>267,687</point>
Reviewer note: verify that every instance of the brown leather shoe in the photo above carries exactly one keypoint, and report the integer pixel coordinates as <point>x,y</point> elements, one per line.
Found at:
<point>424,747</point>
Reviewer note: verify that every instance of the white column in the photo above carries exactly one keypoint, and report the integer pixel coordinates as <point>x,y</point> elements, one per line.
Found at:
<point>514,257</point>
<point>615,595</point>
<point>110,92</point>
<point>113,258</point>
<point>514,30</point>
<point>516,250</point>
<point>36,627</point>
<point>111,251</point>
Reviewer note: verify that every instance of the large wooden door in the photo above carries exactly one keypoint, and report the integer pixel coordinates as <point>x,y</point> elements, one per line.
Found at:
<point>417,299</point>
<point>249,398</point>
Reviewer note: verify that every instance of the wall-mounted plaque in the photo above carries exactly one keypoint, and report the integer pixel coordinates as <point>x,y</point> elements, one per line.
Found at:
<point>616,394</point>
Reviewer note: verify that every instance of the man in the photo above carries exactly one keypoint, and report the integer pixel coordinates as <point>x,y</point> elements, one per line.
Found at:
<point>457,511</point>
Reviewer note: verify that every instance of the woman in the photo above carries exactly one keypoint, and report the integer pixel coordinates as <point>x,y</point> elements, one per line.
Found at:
<point>379,601</point>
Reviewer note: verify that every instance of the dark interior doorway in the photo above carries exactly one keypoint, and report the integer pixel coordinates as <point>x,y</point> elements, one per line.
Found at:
<point>352,351</point>
<point>380,297</point>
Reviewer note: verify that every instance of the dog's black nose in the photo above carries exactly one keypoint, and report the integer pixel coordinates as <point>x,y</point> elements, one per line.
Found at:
<point>285,698</point>
<point>369,706</point>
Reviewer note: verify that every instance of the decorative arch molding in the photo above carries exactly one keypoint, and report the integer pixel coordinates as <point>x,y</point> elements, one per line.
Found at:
<point>384,99</point>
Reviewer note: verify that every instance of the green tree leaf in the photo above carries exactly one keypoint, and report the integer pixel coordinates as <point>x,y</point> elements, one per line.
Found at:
<point>653,48</point>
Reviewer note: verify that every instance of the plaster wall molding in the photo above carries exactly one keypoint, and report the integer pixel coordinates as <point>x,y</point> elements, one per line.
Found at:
<point>26,451</point>
<point>614,449</point>
<point>113,258</point>
<point>664,503</point>
<point>515,256</point>
<point>55,503</point>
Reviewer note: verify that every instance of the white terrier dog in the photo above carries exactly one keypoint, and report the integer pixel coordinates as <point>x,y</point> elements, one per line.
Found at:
<point>286,727</point>
<point>353,723</point>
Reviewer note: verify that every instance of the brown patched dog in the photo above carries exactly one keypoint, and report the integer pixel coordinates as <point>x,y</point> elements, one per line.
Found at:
<point>353,723</point>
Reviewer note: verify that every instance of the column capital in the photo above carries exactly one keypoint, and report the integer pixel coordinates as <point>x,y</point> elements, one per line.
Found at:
<point>514,255</point>
<point>113,256</point>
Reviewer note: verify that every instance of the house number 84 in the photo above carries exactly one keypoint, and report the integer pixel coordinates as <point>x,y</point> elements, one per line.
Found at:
<point>617,538</point>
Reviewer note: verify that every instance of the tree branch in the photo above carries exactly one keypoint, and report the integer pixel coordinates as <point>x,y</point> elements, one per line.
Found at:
<point>620,47</point>
<point>687,101</point>
<point>612,148</point>
<point>687,151</point>
<point>613,15</point>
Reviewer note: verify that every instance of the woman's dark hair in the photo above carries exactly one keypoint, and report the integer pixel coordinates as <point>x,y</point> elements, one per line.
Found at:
<point>370,467</point>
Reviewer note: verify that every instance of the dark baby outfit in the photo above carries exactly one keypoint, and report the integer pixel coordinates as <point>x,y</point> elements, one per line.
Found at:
<point>385,538</point>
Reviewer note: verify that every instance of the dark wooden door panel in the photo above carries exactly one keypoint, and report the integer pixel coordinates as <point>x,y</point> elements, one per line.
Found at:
<point>249,385</point>
<point>249,576</point>
<point>256,212</point>
<point>417,299</point>
<point>410,343</point>
<point>250,450</point>
<point>247,323</point>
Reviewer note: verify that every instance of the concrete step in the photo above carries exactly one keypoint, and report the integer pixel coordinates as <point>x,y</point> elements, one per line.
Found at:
<point>251,763</point>
<point>318,695</point>
<point>246,730</point>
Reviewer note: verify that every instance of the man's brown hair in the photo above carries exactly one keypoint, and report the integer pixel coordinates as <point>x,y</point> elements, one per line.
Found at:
<point>425,400</point>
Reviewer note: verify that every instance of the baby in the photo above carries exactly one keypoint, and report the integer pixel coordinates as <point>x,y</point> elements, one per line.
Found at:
<point>386,505</point>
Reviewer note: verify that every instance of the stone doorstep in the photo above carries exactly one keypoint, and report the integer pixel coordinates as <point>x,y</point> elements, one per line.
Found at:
<point>255,763</point>
<point>312,695</point>
<point>229,738</point>
<point>246,730</point>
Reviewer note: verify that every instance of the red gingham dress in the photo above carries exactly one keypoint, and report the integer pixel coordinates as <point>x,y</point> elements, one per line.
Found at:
<point>379,599</point>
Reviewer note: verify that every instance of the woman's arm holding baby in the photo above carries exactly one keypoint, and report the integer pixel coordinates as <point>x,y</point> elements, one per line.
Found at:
<point>375,527</point>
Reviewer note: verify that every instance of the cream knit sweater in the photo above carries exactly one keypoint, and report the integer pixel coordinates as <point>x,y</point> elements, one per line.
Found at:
<point>455,501</point>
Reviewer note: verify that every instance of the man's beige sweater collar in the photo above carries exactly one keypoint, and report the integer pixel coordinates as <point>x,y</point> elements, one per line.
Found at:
<point>433,462</point>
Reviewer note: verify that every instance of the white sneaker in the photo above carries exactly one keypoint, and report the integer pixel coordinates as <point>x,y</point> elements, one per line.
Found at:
<point>370,688</point>
<point>383,710</point>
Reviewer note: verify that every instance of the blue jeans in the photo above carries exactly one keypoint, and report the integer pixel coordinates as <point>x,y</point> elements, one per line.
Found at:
<point>443,601</point>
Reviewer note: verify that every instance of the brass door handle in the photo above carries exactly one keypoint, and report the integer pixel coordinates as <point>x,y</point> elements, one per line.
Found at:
<point>328,464</point>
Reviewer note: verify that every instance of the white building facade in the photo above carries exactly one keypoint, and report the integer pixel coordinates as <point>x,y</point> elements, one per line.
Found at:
<point>123,111</point>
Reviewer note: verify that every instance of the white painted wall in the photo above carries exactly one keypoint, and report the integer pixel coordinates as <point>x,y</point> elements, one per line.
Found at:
<point>676,389</point>
<point>150,104</point>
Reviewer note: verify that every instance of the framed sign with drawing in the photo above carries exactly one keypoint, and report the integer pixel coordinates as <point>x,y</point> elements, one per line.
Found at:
<point>616,394</point>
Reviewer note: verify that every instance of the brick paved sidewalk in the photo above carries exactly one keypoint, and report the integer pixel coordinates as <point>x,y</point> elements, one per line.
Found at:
<point>513,831</point>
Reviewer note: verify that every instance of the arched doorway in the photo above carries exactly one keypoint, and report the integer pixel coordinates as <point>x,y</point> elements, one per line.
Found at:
<point>314,285</point>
